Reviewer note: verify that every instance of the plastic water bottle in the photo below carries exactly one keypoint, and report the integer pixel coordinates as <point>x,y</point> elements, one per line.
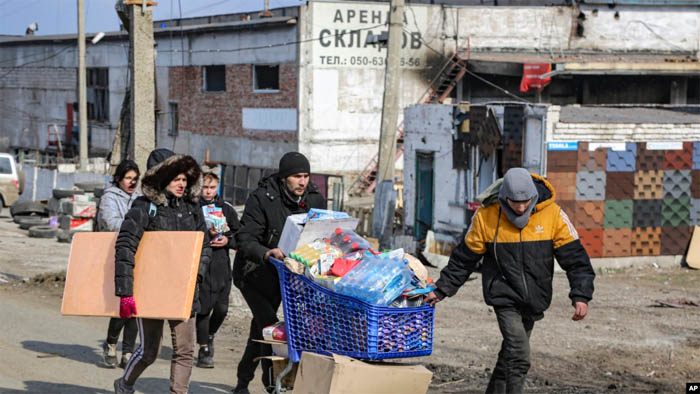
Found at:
<point>348,241</point>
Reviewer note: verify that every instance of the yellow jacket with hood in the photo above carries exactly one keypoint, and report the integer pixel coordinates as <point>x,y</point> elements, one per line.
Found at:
<point>518,264</point>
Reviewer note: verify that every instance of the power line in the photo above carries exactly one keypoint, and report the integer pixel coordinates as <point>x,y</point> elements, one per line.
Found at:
<point>36,61</point>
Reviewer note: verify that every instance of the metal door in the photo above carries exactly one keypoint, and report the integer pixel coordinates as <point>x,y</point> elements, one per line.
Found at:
<point>424,194</point>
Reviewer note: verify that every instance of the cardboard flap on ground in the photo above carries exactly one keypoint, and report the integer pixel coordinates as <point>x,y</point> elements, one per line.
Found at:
<point>165,274</point>
<point>296,232</point>
<point>318,374</point>
<point>693,256</point>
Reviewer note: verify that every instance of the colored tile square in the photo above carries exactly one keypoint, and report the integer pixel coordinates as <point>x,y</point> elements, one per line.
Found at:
<point>562,161</point>
<point>681,159</point>
<point>622,161</point>
<point>589,215</point>
<point>590,185</point>
<point>674,240</point>
<point>616,242</point>
<point>592,241</point>
<point>695,184</point>
<point>591,160</point>
<point>646,241</point>
<point>648,185</point>
<point>677,183</point>
<point>619,214</point>
<point>647,213</point>
<point>564,184</point>
<point>675,212</point>
<point>649,159</point>
<point>619,185</point>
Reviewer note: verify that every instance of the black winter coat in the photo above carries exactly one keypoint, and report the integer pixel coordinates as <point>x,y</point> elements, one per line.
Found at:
<point>262,222</point>
<point>218,277</point>
<point>172,214</point>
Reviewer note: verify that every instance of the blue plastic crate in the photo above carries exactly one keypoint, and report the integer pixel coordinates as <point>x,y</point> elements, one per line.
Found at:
<point>321,321</point>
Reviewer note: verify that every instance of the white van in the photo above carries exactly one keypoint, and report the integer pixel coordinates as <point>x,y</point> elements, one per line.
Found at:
<point>10,187</point>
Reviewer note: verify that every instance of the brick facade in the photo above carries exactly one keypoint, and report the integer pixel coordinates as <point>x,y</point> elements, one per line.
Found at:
<point>220,113</point>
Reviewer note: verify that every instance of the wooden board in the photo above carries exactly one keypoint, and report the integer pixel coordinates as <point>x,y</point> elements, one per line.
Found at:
<point>165,275</point>
<point>693,256</point>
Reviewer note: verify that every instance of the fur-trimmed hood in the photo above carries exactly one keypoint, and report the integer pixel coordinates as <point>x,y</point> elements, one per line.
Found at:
<point>159,176</point>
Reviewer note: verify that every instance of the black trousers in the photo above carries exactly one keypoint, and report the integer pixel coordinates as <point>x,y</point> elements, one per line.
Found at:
<point>209,324</point>
<point>130,330</point>
<point>262,294</point>
<point>514,358</point>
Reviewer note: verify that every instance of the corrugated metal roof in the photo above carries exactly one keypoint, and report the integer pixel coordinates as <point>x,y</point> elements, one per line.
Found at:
<point>238,25</point>
<point>595,114</point>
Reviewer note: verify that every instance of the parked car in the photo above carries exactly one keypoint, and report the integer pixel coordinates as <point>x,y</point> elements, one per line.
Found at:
<point>11,182</point>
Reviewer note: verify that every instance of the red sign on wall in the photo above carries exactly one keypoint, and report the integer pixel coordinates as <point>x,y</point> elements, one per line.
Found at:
<point>532,80</point>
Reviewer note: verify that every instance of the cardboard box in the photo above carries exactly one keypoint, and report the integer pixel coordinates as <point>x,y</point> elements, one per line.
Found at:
<point>278,365</point>
<point>82,209</point>
<point>318,374</point>
<point>165,274</point>
<point>692,258</point>
<point>72,224</point>
<point>297,231</point>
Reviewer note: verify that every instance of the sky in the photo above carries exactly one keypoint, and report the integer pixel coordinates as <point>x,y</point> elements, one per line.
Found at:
<point>60,16</point>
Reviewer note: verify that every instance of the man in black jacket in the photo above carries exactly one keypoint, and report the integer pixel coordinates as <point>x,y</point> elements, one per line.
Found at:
<point>171,188</point>
<point>216,286</point>
<point>518,237</point>
<point>286,193</point>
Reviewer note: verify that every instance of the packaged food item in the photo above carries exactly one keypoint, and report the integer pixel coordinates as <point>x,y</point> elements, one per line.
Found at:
<point>277,332</point>
<point>214,218</point>
<point>342,266</point>
<point>319,251</point>
<point>322,214</point>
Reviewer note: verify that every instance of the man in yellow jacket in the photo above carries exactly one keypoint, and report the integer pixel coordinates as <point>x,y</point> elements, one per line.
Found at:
<point>518,238</point>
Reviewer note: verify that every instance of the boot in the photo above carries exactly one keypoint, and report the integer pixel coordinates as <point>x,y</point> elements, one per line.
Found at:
<point>204,358</point>
<point>120,387</point>
<point>496,386</point>
<point>109,354</point>
<point>210,344</point>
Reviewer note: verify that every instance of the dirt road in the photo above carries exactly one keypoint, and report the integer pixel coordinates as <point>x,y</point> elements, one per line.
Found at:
<point>626,344</point>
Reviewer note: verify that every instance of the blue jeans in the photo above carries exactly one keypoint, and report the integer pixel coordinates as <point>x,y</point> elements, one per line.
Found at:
<point>514,358</point>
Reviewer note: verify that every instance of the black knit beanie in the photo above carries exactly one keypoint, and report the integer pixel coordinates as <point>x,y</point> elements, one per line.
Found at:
<point>293,163</point>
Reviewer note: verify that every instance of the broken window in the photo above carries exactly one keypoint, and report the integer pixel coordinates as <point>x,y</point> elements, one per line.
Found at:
<point>97,94</point>
<point>174,119</point>
<point>266,78</point>
<point>214,78</point>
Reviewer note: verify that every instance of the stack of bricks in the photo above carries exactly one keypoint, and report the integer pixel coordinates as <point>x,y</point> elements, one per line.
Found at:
<point>636,201</point>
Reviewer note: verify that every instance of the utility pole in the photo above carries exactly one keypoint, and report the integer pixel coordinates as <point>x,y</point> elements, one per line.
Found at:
<point>82,87</point>
<point>385,196</point>
<point>142,61</point>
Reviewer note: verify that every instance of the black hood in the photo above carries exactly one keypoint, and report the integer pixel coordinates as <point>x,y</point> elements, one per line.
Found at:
<point>157,156</point>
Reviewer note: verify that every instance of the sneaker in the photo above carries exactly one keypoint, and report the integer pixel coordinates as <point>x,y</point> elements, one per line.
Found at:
<point>109,354</point>
<point>125,360</point>
<point>210,343</point>
<point>241,390</point>
<point>204,358</point>
<point>120,387</point>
